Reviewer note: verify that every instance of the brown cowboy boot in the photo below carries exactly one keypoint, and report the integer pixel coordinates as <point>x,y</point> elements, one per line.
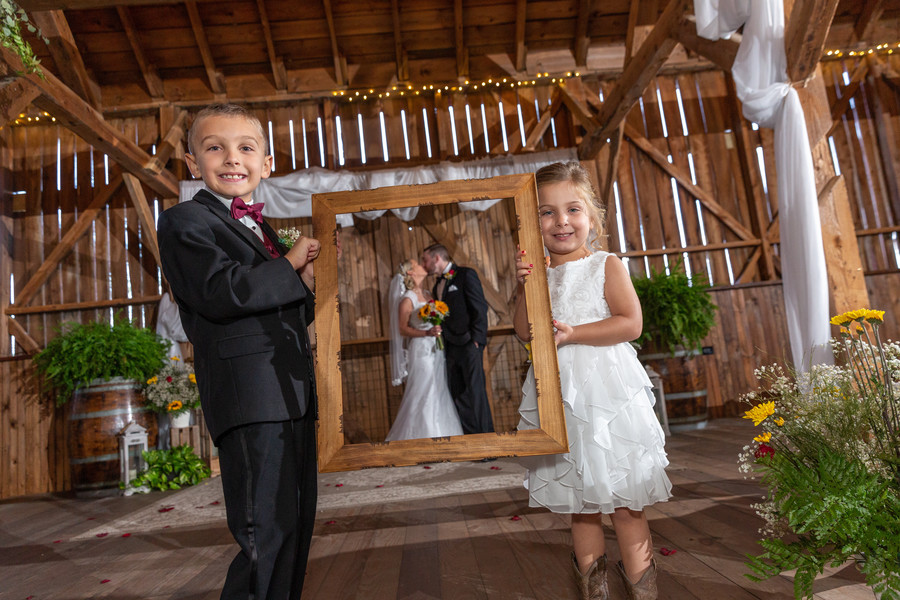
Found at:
<point>645,588</point>
<point>592,585</point>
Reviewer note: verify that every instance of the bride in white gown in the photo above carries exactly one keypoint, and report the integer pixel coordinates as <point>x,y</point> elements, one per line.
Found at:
<point>427,409</point>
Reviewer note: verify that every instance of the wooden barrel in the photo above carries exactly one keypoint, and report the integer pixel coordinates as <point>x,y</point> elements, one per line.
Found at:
<point>97,414</point>
<point>684,385</point>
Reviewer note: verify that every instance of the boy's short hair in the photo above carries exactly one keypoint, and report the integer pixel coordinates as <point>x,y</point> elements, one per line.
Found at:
<point>226,110</point>
<point>437,250</point>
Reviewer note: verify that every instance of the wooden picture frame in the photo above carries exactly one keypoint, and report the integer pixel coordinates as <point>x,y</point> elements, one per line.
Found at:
<point>334,454</point>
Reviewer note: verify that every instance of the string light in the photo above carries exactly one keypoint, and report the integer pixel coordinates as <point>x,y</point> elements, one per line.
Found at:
<point>35,119</point>
<point>883,48</point>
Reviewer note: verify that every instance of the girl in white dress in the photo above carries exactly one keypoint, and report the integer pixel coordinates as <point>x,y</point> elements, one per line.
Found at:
<point>616,460</point>
<point>427,408</point>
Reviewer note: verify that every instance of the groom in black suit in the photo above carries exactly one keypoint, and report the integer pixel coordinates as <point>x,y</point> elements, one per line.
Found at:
<point>465,333</point>
<point>245,301</point>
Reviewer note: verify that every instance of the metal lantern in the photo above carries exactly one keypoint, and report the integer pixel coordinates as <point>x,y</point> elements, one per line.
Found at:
<point>660,406</point>
<point>132,445</point>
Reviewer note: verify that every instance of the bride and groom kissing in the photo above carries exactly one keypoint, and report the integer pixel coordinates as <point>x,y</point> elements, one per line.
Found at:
<point>445,389</point>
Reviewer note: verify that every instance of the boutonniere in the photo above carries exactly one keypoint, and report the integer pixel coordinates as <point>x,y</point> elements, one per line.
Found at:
<point>450,274</point>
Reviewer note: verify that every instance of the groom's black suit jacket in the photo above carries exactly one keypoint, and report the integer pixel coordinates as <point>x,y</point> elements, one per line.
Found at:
<point>245,312</point>
<point>464,296</point>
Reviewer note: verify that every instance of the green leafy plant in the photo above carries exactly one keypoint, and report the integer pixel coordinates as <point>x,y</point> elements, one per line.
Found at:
<point>171,469</point>
<point>678,310</point>
<point>12,19</point>
<point>84,352</point>
<point>829,455</point>
<point>174,389</point>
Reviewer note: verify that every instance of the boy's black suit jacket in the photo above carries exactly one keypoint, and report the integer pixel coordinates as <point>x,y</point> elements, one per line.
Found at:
<point>467,321</point>
<point>245,312</point>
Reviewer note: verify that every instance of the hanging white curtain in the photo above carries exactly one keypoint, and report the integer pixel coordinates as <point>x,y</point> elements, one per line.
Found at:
<point>760,76</point>
<point>290,196</point>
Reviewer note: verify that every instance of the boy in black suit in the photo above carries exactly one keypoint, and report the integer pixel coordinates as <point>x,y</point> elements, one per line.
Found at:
<point>465,333</point>
<point>245,302</point>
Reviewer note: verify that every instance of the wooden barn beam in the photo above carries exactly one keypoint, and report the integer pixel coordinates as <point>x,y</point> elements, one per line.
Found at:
<point>90,305</point>
<point>15,96</point>
<point>216,79</point>
<point>805,31</point>
<point>400,55</point>
<point>340,68</point>
<point>521,50</point>
<point>582,39</point>
<point>85,218</point>
<point>169,143</point>
<point>66,56</point>
<point>149,72</point>
<point>635,77</point>
<point>35,5</point>
<point>631,30</point>
<point>145,217</point>
<point>864,27</point>
<point>22,338</point>
<point>543,123</point>
<point>841,106</point>
<point>279,74</point>
<point>884,136</point>
<point>88,124</point>
<point>720,52</point>
<point>462,53</point>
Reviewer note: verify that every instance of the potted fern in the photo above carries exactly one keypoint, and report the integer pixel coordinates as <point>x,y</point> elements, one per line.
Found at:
<point>97,370</point>
<point>678,315</point>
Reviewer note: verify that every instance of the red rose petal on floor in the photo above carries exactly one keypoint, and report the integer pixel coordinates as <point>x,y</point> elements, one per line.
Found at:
<point>495,468</point>
<point>330,522</point>
<point>166,508</point>
<point>339,485</point>
<point>29,597</point>
<point>214,502</point>
<point>515,518</point>
<point>126,535</point>
<point>167,526</point>
<point>105,581</point>
<point>426,467</point>
<point>104,534</point>
<point>378,486</point>
<point>56,541</point>
<point>666,551</point>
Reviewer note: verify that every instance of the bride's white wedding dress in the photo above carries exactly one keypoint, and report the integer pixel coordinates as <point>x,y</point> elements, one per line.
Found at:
<point>427,409</point>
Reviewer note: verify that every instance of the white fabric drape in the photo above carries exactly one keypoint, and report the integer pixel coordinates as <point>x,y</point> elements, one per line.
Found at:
<point>399,359</point>
<point>760,76</point>
<point>289,196</point>
<point>168,325</point>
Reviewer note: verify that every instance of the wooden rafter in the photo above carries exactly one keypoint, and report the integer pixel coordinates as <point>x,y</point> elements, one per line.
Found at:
<point>279,74</point>
<point>637,74</point>
<point>399,52</point>
<point>65,245</point>
<point>90,305</point>
<point>145,217</point>
<point>170,141</point>
<point>15,96</point>
<point>151,76</point>
<point>868,19</point>
<point>521,50</point>
<point>22,338</point>
<point>630,31</point>
<point>340,75</point>
<point>582,39</point>
<point>804,35</point>
<point>720,52</point>
<point>841,106</point>
<point>216,80</point>
<point>543,123</point>
<point>66,56</point>
<point>88,124</point>
<point>462,53</point>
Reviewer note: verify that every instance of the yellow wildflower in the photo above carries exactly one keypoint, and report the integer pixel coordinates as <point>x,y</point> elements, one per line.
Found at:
<point>760,412</point>
<point>174,405</point>
<point>192,377</point>
<point>763,437</point>
<point>174,358</point>
<point>778,421</point>
<point>152,380</point>
<point>839,319</point>
<point>854,315</point>
<point>874,315</point>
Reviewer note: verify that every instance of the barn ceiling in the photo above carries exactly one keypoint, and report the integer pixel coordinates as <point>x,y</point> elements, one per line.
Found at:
<point>133,55</point>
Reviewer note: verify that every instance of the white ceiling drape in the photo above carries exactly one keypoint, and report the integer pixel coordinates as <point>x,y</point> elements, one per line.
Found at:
<point>760,76</point>
<point>289,196</point>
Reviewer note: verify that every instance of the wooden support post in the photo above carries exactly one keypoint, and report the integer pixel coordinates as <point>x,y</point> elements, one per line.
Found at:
<point>139,201</point>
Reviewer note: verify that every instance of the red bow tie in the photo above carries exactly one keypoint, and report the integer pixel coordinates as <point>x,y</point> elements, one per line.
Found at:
<point>239,210</point>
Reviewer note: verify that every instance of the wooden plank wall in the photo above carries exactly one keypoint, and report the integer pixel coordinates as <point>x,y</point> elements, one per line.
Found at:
<point>50,176</point>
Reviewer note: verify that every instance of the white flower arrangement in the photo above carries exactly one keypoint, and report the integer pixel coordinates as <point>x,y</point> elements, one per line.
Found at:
<point>173,390</point>
<point>288,236</point>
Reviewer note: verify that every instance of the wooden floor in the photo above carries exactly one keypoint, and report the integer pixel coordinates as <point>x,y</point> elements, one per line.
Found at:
<point>444,532</point>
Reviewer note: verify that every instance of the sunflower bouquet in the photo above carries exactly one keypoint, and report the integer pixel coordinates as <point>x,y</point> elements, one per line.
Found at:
<point>827,449</point>
<point>173,390</point>
<point>434,312</point>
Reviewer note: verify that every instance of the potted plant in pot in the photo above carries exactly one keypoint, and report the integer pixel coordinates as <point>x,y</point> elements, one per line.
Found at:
<point>678,314</point>
<point>173,392</point>
<point>97,370</point>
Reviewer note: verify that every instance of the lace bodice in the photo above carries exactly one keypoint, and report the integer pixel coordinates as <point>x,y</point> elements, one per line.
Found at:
<point>414,321</point>
<point>577,290</point>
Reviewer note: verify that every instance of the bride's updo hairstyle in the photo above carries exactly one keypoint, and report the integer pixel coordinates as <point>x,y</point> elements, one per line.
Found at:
<point>575,174</point>
<point>404,269</point>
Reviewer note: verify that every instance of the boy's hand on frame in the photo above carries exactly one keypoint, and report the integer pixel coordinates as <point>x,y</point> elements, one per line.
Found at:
<point>304,251</point>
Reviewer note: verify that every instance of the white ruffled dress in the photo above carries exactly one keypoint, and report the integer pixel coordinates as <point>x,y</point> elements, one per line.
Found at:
<point>616,452</point>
